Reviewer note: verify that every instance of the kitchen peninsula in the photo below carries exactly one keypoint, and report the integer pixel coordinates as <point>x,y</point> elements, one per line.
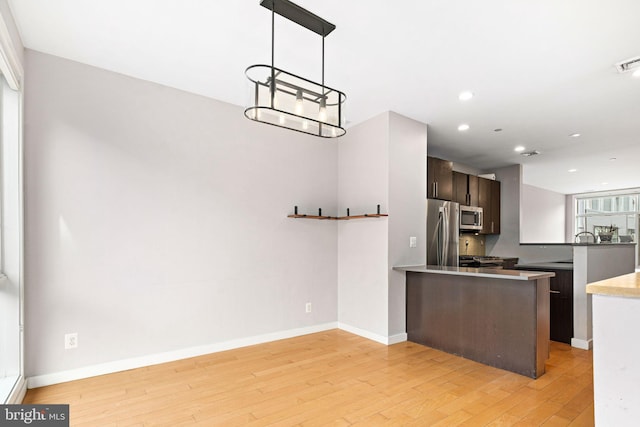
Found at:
<point>496,317</point>
<point>591,262</point>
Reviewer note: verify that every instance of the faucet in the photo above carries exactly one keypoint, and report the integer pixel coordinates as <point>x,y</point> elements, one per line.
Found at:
<point>576,237</point>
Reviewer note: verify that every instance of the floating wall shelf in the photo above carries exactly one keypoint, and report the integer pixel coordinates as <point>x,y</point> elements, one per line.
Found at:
<point>336,218</point>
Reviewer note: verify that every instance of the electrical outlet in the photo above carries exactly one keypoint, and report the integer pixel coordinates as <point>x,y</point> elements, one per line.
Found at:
<point>413,242</point>
<point>70,341</point>
<point>307,307</point>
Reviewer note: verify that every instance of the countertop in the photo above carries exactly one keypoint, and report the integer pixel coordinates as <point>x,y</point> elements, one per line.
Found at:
<point>627,285</point>
<point>551,265</point>
<point>477,272</point>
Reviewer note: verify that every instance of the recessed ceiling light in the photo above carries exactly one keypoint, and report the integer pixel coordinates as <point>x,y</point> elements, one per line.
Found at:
<point>519,149</point>
<point>605,183</point>
<point>574,135</point>
<point>612,159</point>
<point>628,64</point>
<point>463,127</point>
<point>465,96</point>
<point>572,170</point>
<point>530,153</point>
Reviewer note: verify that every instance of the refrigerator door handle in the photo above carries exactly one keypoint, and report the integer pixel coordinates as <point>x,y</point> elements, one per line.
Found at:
<point>445,234</point>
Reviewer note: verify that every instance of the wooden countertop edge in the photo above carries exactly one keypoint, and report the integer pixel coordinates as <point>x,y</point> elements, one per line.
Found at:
<point>627,285</point>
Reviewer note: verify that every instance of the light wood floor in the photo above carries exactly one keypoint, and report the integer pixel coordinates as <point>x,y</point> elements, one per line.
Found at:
<point>332,378</point>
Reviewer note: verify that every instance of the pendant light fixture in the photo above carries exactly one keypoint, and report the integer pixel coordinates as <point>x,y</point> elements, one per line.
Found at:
<point>283,99</point>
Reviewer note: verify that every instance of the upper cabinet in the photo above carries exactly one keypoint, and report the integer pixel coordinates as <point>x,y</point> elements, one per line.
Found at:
<point>469,190</point>
<point>439,179</point>
<point>465,189</point>
<point>489,201</point>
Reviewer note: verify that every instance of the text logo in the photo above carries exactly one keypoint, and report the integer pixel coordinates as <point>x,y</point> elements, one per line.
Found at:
<point>34,415</point>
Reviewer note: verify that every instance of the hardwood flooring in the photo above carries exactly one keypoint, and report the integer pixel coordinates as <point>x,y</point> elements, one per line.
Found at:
<point>332,378</point>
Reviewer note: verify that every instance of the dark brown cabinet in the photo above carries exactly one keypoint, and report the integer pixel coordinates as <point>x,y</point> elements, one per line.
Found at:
<point>439,179</point>
<point>561,303</point>
<point>465,189</point>
<point>489,201</point>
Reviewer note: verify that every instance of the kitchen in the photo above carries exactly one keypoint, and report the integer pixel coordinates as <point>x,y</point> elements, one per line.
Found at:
<point>450,223</point>
<point>174,152</point>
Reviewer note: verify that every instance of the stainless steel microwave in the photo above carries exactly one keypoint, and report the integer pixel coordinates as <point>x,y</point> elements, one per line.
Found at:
<point>470,218</point>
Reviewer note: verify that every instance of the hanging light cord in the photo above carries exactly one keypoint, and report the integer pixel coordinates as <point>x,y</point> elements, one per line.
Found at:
<point>323,64</point>
<point>273,38</point>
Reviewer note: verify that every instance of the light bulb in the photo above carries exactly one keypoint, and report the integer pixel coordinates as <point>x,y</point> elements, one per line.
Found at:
<point>281,119</point>
<point>299,103</point>
<point>322,113</point>
<point>305,125</point>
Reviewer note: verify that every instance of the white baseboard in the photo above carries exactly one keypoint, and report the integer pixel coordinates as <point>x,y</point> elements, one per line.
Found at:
<point>582,344</point>
<point>18,392</point>
<point>372,336</point>
<point>395,339</point>
<point>154,359</point>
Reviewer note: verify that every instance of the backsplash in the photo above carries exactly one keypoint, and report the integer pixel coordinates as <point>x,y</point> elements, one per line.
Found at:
<point>475,244</point>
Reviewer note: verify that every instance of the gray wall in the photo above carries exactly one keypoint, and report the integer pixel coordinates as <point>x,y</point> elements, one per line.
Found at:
<point>156,220</point>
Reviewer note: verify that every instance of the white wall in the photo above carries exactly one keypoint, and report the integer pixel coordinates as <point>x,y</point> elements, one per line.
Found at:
<point>542,215</point>
<point>381,161</point>
<point>407,210</point>
<point>156,220</point>
<point>363,171</point>
<point>507,243</point>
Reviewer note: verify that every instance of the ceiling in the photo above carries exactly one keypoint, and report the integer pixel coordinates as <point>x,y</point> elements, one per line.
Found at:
<point>539,70</point>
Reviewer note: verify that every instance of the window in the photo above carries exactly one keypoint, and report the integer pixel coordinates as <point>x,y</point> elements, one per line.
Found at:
<point>616,214</point>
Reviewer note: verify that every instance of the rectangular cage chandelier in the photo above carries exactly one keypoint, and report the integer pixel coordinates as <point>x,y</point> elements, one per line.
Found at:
<point>283,99</point>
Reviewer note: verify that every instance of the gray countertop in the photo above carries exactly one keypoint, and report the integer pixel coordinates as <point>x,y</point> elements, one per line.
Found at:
<point>493,273</point>
<point>550,265</point>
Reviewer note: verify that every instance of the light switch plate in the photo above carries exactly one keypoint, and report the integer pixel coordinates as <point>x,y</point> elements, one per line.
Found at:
<point>413,242</point>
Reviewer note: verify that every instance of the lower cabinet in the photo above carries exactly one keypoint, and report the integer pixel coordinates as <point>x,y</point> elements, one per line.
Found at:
<point>561,304</point>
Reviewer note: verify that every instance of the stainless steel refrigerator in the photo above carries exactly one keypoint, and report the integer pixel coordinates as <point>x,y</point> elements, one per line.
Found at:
<point>443,230</point>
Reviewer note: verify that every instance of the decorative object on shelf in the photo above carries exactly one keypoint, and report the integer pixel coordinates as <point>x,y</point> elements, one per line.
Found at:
<point>606,233</point>
<point>320,216</point>
<point>286,100</point>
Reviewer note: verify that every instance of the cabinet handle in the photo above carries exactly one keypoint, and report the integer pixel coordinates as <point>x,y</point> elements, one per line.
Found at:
<point>435,187</point>
<point>492,226</point>
<point>554,292</point>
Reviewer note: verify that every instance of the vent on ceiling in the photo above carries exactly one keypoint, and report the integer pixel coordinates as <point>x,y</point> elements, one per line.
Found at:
<point>530,153</point>
<point>628,64</point>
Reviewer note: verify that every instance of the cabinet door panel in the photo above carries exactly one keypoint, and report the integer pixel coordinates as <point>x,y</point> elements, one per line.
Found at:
<point>460,188</point>
<point>484,201</point>
<point>495,207</point>
<point>473,190</point>
<point>439,179</point>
